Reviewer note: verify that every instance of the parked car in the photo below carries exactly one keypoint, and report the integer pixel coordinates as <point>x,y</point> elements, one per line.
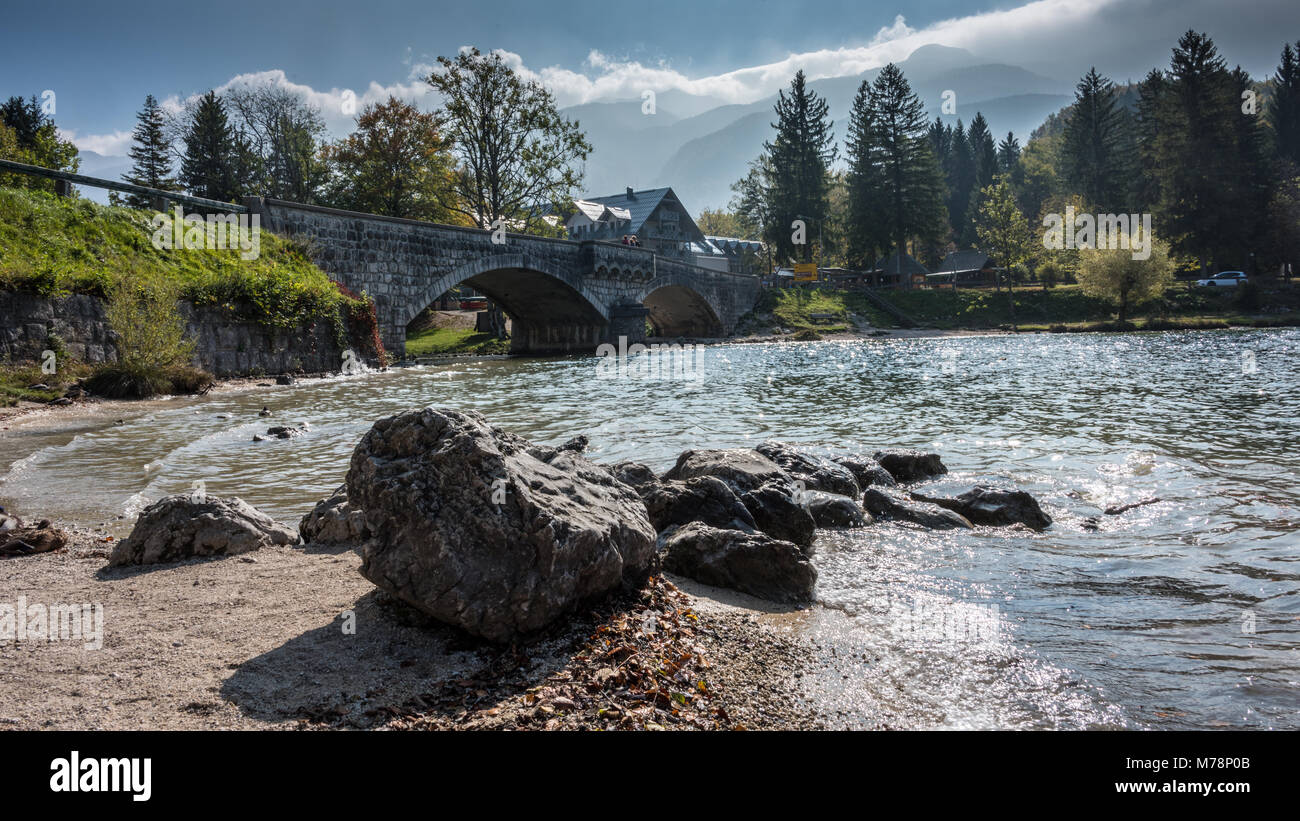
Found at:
<point>1230,278</point>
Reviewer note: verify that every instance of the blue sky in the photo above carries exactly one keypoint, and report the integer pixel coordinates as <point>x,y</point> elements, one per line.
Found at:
<point>101,59</point>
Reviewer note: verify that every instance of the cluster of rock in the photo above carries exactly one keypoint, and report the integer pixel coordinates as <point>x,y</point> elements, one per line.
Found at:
<point>487,531</point>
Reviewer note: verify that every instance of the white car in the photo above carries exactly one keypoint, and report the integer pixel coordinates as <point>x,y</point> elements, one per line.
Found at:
<point>1226,278</point>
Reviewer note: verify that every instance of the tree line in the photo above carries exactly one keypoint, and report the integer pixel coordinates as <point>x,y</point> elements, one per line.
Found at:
<point>1213,155</point>
<point>496,149</point>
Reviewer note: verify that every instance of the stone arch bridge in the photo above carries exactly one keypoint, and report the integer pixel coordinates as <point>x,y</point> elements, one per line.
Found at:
<point>563,296</point>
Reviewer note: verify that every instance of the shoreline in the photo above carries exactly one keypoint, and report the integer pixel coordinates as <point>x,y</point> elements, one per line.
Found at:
<point>256,642</point>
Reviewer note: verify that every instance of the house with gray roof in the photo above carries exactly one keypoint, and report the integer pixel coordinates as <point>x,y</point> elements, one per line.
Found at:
<point>655,217</point>
<point>969,268</point>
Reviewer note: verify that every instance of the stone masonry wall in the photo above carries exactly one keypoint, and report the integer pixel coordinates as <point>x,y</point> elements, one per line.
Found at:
<point>226,347</point>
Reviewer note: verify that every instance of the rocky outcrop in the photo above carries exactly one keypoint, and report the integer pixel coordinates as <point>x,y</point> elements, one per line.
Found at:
<point>777,514</point>
<point>479,529</point>
<point>814,472</point>
<point>186,526</point>
<point>633,474</point>
<point>752,563</point>
<point>910,465</point>
<point>999,507</point>
<point>705,499</point>
<point>885,504</point>
<point>742,468</point>
<point>333,523</point>
<point>866,471</point>
<point>833,510</point>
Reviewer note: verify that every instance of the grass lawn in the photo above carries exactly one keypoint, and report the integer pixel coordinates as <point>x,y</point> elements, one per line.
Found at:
<point>435,341</point>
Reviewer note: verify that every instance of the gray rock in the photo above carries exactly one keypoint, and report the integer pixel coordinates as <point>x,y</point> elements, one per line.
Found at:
<point>777,514</point>
<point>833,510</point>
<point>633,474</point>
<point>742,468</point>
<point>867,471</point>
<point>333,522</point>
<point>577,444</point>
<point>999,507</point>
<point>705,499</point>
<point>185,526</point>
<point>752,563</point>
<point>885,504</point>
<point>468,525</point>
<point>910,465</point>
<point>285,431</point>
<point>815,472</point>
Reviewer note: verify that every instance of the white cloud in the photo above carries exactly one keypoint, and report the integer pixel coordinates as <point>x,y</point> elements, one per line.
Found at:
<point>110,145</point>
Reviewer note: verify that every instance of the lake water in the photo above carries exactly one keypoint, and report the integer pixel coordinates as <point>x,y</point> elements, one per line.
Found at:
<point>1179,614</point>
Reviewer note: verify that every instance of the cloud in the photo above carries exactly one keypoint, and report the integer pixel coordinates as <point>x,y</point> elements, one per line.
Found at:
<point>110,145</point>
<point>1059,37</point>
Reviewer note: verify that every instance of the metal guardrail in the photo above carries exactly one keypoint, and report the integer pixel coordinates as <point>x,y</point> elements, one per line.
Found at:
<point>125,187</point>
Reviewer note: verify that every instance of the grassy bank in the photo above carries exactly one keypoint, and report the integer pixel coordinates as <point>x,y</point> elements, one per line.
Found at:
<point>1063,308</point>
<point>54,247</point>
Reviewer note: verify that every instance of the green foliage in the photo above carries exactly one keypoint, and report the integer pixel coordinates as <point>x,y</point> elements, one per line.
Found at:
<point>517,151</point>
<point>437,341</point>
<point>209,167</point>
<point>28,135</point>
<point>798,167</point>
<point>1114,275</point>
<point>1002,229</point>
<point>58,246</point>
<point>150,152</point>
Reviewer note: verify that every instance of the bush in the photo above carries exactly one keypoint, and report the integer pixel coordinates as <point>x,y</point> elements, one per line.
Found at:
<point>153,351</point>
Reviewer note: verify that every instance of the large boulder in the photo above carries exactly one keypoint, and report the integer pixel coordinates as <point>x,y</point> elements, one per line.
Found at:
<point>867,471</point>
<point>777,514</point>
<point>742,468</point>
<point>705,499</point>
<point>815,472</point>
<point>190,525</point>
<point>885,504</point>
<point>752,563</point>
<point>482,530</point>
<point>333,522</point>
<point>999,507</point>
<point>833,510</point>
<point>910,465</point>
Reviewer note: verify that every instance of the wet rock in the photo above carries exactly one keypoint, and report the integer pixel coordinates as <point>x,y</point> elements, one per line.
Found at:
<point>705,499</point>
<point>333,522</point>
<point>634,474</point>
<point>867,471</point>
<point>885,504</point>
<point>62,400</point>
<point>184,526</point>
<point>752,563</point>
<point>1116,510</point>
<point>468,525</point>
<point>833,510</point>
<point>29,540</point>
<point>984,505</point>
<point>577,444</point>
<point>816,472</point>
<point>910,465</point>
<point>284,379</point>
<point>742,468</point>
<point>265,411</point>
<point>284,431</point>
<point>777,514</point>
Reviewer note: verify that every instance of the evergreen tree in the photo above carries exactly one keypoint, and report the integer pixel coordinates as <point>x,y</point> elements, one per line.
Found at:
<point>961,181</point>
<point>25,117</point>
<point>867,235</point>
<point>1090,156</point>
<point>1204,154</point>
<point>1284,107</point>
<point>800,157</point>
<point>984,149</point>
<point>1008,154</point>
<point>150,163</point>
<point>909,175</point>
<point>210,162</point>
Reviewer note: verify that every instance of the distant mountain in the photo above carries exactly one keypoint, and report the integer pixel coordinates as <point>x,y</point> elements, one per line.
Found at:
<point>700,155</point>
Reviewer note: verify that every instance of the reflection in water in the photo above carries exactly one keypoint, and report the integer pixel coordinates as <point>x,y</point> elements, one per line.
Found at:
<point>1143,621</point>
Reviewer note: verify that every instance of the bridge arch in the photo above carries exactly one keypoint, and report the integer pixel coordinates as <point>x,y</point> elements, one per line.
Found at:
<point>677,308</point>
<point>544,317</point>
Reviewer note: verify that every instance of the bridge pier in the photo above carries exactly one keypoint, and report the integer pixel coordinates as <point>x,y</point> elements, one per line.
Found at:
<point>543,339</point>
<point>628,321</point>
